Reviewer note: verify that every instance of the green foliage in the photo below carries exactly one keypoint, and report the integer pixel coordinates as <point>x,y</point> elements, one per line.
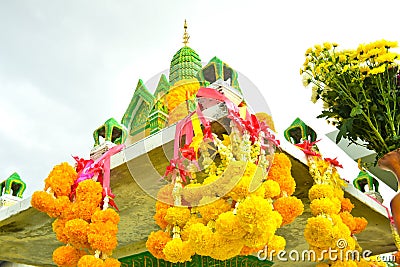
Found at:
<point>360,90</point>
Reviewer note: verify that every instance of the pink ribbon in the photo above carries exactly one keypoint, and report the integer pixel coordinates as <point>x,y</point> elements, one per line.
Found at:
<point>101,167</point>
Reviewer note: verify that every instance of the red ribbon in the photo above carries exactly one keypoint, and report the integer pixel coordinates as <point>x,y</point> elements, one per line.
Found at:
<point>334,162</point>
<point>308,149</point>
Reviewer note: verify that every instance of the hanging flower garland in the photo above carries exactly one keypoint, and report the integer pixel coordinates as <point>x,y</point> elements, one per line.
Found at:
<point>332,227</point>
<point>222,201</point>
<point>79,199</point>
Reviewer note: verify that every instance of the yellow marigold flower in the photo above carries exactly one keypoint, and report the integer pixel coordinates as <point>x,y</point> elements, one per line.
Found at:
<point>156,242</point>
<point>257,240</point>
<point>224,248</point>
<point>276,244</point>
<point>185,232</point>
<point>320,191</point>
<point>228,225</point>
<point>289,208</point>
<point>200,236</point>
<point>90,261</point>
<point>177,216</point>
<point>325,206</point>
<point>177,250</point>
<point>255,215</point>
<point>213,210</point>
<point>272,189</point>
<point>318,232</point>
<point>67,256</point>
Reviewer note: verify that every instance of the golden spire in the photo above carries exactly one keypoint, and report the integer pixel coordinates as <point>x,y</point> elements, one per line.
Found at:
<point>185,34</point>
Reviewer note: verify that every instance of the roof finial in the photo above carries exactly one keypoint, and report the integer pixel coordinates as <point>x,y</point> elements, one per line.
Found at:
<point>185,34</point>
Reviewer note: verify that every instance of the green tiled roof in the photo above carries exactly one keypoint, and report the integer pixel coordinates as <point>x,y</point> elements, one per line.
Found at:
<point>184,65</point>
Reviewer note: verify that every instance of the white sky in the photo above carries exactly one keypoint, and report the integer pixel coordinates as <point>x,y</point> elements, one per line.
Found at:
<point>67,66</point>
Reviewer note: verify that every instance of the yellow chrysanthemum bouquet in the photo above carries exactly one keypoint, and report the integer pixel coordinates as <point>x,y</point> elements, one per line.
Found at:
<point>222,201</point>
<point>360,90</point>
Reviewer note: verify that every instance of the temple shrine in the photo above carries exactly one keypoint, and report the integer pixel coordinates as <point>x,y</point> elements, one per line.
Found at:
<point>148,129</point>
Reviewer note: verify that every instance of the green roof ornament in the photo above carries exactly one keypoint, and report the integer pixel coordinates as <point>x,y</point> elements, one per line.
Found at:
<point>363,179</point>
<point>298,131</point>
<point>185,63</point>
<point>111,131</point>
<point>113,134</point>
<point>216,70</point>
<point>13,185</point>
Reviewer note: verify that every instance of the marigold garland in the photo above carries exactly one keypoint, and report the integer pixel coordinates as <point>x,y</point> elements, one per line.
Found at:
<point>82,221</point>
<point>230,200</point>
<point>224,228</point>
<point>332,222</point>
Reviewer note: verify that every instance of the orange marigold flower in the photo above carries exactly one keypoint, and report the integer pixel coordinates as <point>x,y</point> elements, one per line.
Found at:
<point>161,211</point>
<point>67,256</point>
<point>289,207</point>
<point>58,228</point>
<point>156,242</point>
<point>346,205</point>
<point>105,216</point>
<point>90,191</point>
<point>84,209</point>
<point>60,179</point>
<point>90,261</point>
<point>280,172</point>
<point>76,230</point>
<point>105,242</point>
<point>111,262</point>
<point>43,202</point>
<point>361,224</point>
<point>348,220</point>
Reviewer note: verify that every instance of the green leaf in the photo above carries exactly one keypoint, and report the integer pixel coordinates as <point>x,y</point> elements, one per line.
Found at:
<point>357,110</point>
